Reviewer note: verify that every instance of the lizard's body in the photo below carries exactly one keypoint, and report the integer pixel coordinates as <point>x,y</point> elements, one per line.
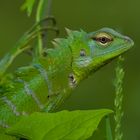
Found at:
<point>44,84</point>
<point>48,82</point>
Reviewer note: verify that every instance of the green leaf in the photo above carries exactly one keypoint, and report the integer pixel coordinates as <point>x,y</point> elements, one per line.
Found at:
<point>6,137</point>
<point>64,125</point>
<point>28,5</point>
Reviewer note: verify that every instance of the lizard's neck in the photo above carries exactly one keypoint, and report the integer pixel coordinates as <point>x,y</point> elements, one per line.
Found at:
<point>59,58</point>
<point>58,64</point>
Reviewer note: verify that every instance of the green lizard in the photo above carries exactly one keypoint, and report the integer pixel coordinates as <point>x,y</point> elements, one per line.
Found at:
<point>47,82</point>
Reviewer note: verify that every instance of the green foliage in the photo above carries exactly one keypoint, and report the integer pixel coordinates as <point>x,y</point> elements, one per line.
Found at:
<point>28,5</point>
<point>119,98</point>
<point>6,137</point>
<point>71,125</point>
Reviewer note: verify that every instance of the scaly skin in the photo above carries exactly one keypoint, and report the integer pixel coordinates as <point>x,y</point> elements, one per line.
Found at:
<point>46,83</point>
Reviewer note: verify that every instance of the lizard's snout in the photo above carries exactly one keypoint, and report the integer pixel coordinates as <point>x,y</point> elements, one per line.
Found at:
<point>129,40</point>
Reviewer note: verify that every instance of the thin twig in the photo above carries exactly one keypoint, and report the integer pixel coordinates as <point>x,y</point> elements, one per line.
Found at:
<point>43,10</point>
<point>49,9</point>
<point>48,13</point>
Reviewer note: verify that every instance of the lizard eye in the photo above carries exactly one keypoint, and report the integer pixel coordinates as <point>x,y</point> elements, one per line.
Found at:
<point>103,39</point>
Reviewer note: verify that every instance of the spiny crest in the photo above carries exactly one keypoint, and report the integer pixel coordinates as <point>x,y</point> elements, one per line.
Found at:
<point>75,34</point>
<point>68,31</point>
<point>56,42</point>
<point>71,36</point>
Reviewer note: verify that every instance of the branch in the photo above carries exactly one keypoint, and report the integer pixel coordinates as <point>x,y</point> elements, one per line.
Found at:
<point>43,11</point>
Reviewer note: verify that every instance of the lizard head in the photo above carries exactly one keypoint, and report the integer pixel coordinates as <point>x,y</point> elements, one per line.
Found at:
<point>91,51</point>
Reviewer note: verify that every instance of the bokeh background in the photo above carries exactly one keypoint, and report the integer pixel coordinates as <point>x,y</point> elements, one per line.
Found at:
<point>97,91</point>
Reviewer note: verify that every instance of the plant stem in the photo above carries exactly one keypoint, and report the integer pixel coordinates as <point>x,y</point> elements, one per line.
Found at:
<point>119,98</point>
<point>108,129</point>
<point>49,7</point>
<point>43,10</point>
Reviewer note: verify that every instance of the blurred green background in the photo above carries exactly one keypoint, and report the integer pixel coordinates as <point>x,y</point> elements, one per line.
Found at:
<point>97,91</point>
